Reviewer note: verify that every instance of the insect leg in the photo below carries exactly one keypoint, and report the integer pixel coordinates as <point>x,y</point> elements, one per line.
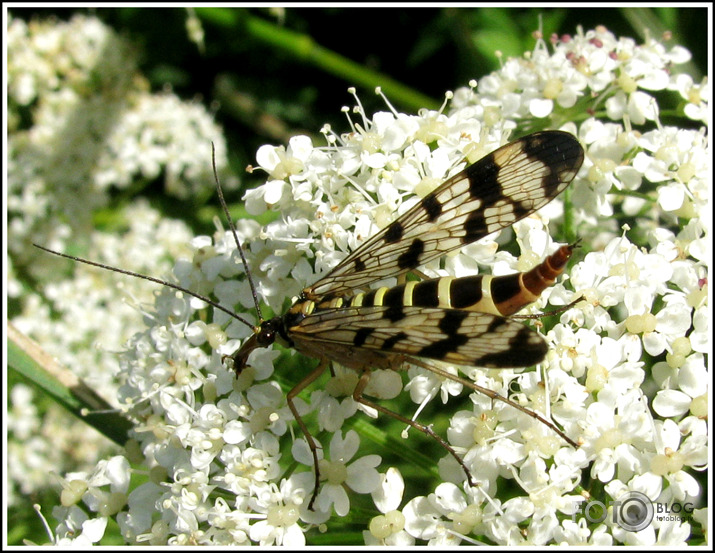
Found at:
<point>490,394</point>
<point>298,388</point>
<point>358,397</point>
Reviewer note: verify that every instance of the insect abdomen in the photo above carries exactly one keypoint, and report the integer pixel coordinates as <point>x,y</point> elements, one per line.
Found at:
<point>502,295</point>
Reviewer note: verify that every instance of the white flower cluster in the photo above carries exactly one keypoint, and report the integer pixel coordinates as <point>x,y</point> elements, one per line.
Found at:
<point>626,375</point>
<point>83,321</point>
<point>80,120</point>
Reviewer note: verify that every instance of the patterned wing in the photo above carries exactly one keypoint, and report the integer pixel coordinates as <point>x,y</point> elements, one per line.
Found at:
<point>491,194</point>
<point>451,335</point>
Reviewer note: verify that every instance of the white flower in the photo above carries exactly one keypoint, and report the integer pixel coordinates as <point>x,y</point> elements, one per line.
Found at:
<point>77,529</point>
<point>692,380</point>
<point>77,487</point>
<point>697,95</point>
<point>675,453</point>
<point>443,517</point>
<point>282,515</point>
<point>332,413</point>
<point>620,430</point>
<point>338,472</point>
<point>388,528</point>
<point>138,518</point>
<point>578,533</point>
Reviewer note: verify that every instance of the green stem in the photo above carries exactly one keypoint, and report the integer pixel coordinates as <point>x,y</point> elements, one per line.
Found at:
<point>30,361</point>
<point>306,50</point>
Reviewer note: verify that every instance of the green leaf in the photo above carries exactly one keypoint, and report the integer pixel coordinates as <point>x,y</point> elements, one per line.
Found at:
<point>30,361</point>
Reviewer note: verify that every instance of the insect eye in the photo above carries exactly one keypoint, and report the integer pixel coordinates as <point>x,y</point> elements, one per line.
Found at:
<point>268,332</point>
<point>266,337</point>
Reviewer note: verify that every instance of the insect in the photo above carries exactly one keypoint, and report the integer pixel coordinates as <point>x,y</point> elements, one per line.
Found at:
<point>464,321</point>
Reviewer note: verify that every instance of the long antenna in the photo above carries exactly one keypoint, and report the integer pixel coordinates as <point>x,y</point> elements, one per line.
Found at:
<point>152,279</point>
<point>176,286</point>
<point>235,235</point>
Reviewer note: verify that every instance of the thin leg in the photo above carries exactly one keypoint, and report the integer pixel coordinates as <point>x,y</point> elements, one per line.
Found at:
<point>490,394</point>
<point>358,397</point>
<point>298,388</point>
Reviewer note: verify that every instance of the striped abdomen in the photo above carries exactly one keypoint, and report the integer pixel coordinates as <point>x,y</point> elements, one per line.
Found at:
<point>501,295</point>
